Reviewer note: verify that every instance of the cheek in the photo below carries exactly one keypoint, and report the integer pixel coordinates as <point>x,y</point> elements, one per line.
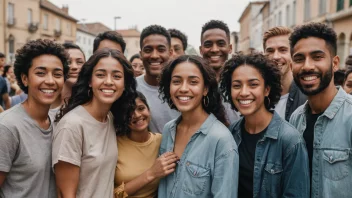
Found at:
<point>234,94</point>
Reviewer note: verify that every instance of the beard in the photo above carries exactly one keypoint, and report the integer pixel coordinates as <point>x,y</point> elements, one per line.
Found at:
<point>324,82</point>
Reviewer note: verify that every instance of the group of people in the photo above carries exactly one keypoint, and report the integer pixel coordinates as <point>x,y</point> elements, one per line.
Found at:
<point>165,124</point>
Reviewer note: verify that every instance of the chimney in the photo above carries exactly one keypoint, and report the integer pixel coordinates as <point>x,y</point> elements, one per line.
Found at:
<point>65,8</point>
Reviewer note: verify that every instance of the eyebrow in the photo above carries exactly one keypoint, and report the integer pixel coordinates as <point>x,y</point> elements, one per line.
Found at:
<point>310,53</point>
<point>250,80</point>
<point>176,76</point>
<point>44,68</point>
<point>104,70</point>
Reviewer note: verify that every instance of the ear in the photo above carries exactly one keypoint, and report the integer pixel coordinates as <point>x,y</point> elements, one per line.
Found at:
<point>200,50</point>
<point>335,63</point>
<point>267,91</point>
<point>230,47</point>
<point>205,91</point>
<point>24,79</point>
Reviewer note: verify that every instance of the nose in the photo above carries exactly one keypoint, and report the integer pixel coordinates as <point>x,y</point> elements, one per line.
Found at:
<point>184,87</point>
<point>244,91</point>
<point>49,79</point>
<point>308,65</point>
<point>108,80</point>
<point>154,54</point>
<point>136,114</point>
<point>276,55</point>
<point>73,66</point>
<point>214,48</point>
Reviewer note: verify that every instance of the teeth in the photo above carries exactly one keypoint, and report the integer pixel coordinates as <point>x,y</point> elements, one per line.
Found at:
<point>47,91</point>
<point>155,64</point>
<point>139,122</point>
<point>308,78</point>
<point>245,101</point>
<point>107,91</point>
<point>184,98</point>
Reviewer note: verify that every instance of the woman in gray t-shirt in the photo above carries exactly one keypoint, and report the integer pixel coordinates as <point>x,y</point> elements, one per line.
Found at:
<point>84,152</point>
<point>25,129</point>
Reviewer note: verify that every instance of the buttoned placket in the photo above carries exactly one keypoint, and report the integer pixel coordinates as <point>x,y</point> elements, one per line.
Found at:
<point>318,134</point>
<point>257,162</point>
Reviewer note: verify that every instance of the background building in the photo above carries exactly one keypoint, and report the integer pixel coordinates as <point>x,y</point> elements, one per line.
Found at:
<point>132,38</point>
<point>85,40</point>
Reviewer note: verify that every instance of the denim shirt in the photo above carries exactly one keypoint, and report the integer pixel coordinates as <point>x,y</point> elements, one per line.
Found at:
<point>208,166</point>
<point>332,147</point>
<point>281,167</point>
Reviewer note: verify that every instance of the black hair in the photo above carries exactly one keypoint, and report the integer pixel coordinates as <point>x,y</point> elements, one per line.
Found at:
<point>134,57</point>
<point>267,68</point>
<point>109,35</point>
<point>339,77</point>
<point>68,46</point>
<point>32,49</point>
<point>348,72</point>
<point>80,91</point>
<point>174,33</point>
<point>216,24</point>
<point>6,69</point>
<point>154,29</point>
<point>2,55</point>
<point>214,105</point>
<point>318,30</point>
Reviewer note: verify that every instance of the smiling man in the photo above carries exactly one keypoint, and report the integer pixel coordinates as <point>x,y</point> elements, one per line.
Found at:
<point>155,53</point>
<point>326,119</point>
<point>178,43</point>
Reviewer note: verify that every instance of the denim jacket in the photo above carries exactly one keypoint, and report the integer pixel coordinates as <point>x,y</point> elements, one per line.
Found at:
<point>295,99</point>
<point>332,147</point>
<point>208,166</point>
<point>281,161</point>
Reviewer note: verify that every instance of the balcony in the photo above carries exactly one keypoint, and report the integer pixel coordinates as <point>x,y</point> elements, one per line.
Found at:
<point>33,27</point>
<point>57,33</point>
<point>11,22</point>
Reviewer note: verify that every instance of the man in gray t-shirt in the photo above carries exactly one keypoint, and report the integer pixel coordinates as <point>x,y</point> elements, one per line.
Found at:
<point>155,54</point>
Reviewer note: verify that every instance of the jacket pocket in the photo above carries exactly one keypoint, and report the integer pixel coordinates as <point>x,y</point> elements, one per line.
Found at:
<point>335,164</point>
<point>196,178</point>
<point>272,179</point>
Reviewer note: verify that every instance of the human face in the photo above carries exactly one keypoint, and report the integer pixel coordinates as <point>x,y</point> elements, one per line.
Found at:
<point>10,73</point>
<point>187,87</point>
<point>277,48</point>
<point>2,62</point>
<point>45,79</point>
<point>347,86</point>
<point>110,45</point>
<point>138,68</point>
<point>155,54</point>
<point>215,47</point>
<point>107,81</point>
<point>76,62</point>
<point>248,90</point>
<point>312,65</point>
<point>177,47</point>
<point>140,117</point>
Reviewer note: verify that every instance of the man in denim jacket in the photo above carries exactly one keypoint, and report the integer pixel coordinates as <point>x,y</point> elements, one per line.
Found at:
<point>325,120</point>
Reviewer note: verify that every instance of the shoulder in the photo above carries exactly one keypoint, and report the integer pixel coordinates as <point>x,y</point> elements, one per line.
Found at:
<point>71,119</point>
<point>298,112</point>
<point>13,116</point>
<point>289,135</point>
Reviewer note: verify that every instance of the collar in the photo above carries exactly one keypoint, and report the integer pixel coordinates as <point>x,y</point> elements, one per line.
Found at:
<point>204,128</point>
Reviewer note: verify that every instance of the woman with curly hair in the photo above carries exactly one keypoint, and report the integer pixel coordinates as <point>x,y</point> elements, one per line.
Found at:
<point>208,165</point>
<point>272,154</point>
<point>25,129</point>
<point>84,152</point>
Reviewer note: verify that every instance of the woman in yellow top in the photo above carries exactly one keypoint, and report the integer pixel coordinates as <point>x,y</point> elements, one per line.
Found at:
<point>138,167</point>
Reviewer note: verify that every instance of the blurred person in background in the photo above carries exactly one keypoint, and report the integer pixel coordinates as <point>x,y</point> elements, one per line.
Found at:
<point>178,43</point>
<point>137,65</point>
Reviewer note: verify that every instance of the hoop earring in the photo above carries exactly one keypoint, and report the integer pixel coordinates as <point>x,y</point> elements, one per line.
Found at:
<point>170,103</point>
<point>206,100</point>
<point>268,100</point>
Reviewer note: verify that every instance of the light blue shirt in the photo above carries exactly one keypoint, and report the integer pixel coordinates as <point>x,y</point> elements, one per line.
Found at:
<point>208,166</point>
<point>332,147</point>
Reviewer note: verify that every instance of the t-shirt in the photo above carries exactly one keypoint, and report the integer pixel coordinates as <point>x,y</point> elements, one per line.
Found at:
<point>3,90</point>
<point>246,151</point>
<point>25,155</point>
<point>52,113</point>
<point>134,159</point>
<point>231,114</point>
<point>81,140</point>
<point>280,107</point>
<point>160,112</point>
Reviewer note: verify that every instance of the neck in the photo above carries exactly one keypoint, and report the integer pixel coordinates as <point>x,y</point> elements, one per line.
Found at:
<point>37,112</point>
<point>286,82</point>
<point>258,121</point>
<point>194,118</point>
<point>321,101</point>
<point>65,93</point>
<point>139,136</point>
<point>98,111</point>
<point>151,80</point>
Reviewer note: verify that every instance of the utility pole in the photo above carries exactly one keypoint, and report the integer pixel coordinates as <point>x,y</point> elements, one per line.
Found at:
<point>116,17</point>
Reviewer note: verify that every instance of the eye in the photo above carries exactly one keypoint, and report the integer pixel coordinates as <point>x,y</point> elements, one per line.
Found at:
<point>117,76</point>
<point>236,86</point>
<point>176,81</point>
<point>99,75</point>
<point>141,108</point>
<point>40,73</point>
<point>58,75</point>
<point>298,59</point>
<point>193,82</point>
<point>254,84</point>
<point>317,57</point>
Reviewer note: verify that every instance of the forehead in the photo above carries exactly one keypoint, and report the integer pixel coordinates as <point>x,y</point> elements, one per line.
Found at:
<point>109,64</point>
<point>110,45</point>
<point>75,53</point>
<point>155,40</point>
<point>244,72</point>
<point>310,44</point>
<point>214,35</point>
<point>175,41</point>
<point>278,41</point>
<point>46,60</point>
<point>187,69</point>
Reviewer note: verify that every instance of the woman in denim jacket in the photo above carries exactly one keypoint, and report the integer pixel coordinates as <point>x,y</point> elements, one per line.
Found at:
<point>272,154</point>
<point>208,165</point>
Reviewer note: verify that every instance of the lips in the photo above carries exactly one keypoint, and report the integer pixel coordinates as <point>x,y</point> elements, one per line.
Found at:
<point>74,75</point>
<point>108,91</point>
<point>309,78</point>
<point>48,91</point>
<point>245,102</point>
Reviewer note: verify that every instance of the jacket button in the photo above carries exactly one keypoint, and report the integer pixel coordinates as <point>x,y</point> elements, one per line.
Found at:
<point>272,171</point>
<point>330,158</point>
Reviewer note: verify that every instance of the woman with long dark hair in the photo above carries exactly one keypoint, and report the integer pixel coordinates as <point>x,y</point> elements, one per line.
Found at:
<point>84,143</point>
<point>208,165</point>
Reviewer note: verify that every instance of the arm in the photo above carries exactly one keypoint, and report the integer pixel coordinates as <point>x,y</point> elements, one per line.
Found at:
<point>67,179</point>
<point>1,109</point>
<point>8,150</point>
<point>163,166</point>
<point>2,177</point>
<point>6,99</point>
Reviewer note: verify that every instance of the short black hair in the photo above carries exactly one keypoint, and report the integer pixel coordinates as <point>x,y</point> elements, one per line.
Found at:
<point>112,36</point>
<point>2,55</point>
<point>318,30</point>
<point>6,69</point>
<point>216,24</point>
<point>339,77</point>
<point>178,34</point>
<point>32,49</point>
<point>348,72</point>
<point>68,46</point>
<point>134,57</point>
<point>267,68</point>
<point>155,29</point>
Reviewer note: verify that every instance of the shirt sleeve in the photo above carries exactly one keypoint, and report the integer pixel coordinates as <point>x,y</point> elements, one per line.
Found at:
<point>119,192</point>
<point>3,87</point>
<point>67,146</point>
<point>8,148</point>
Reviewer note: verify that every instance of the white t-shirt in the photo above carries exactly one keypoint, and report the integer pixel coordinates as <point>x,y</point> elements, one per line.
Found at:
<point>81,140</point>
<point>280,107</point>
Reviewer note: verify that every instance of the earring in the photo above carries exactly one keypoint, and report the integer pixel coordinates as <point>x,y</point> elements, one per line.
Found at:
<point>206,100</point>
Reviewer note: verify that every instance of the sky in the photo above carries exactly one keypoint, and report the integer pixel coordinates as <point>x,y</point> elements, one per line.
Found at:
<point>186,15</point>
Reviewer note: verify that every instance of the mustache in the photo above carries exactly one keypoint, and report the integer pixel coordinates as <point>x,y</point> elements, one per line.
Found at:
<point>309,73</point>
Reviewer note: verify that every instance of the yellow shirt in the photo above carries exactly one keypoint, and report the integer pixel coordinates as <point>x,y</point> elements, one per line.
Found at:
<point>135,158</point>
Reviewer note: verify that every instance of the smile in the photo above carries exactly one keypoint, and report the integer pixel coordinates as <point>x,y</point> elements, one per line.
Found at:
<point>184,98</point>
<point>309,78</point>
<point>245,102</point>
<point>108,91</point>
<point>47,91</point>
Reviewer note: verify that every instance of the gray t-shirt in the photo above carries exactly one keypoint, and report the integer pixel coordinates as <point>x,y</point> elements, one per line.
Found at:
<point>160,112</point>
<point>280,107</point>
<point>25,155</point>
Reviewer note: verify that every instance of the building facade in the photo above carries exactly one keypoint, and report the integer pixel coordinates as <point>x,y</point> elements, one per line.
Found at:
<point>132,38</point>
<point>85,40</point>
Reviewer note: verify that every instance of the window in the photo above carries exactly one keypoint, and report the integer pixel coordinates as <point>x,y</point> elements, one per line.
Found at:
<point>84,40</point>
<point>78,39</point>
<point>350,2</point>
<point>30,16</point>
<point>11,13</point>
<point>294,13</point>
<point>306,10</point>
<point>45,21</point>
<point>340,4</point>
<point>69,29</point>
<point>279,19</point>
<point>288,15</point>
<point>58,24</point>
<point>322,7</point>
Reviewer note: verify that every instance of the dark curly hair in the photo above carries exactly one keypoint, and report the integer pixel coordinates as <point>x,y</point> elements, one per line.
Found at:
<point>154,29</point>
<point>348,72</point>
<point>68,46</point>
<point>121,107</point>
<point>6,69</point>
<point>178,34</point>
<point>318,30</point>
<point>112,36</point>
<point>2,55</point>
<point>214,106</point>
<point>266,67</point>
<point>134,57</point>
<point>32,49</point>
<point>215,24</point>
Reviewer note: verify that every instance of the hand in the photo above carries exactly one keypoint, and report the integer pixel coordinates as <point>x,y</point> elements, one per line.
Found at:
<point>163,166</point>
